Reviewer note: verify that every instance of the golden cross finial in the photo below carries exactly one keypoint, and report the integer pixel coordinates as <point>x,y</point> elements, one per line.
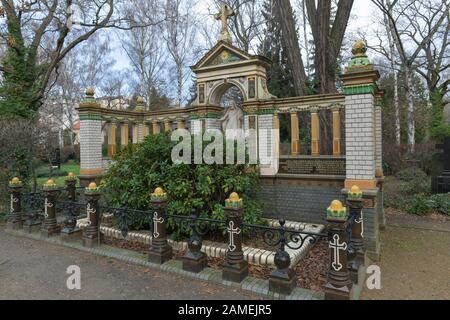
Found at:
<point>223,15</point>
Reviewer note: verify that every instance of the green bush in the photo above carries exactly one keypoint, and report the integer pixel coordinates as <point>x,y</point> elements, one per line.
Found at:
<point>411,173</point>
<point>139,169</point>
<point>419,205</point>
<point>441,203</point>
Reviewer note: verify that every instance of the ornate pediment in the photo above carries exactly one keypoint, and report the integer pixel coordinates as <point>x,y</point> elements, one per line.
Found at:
<point>221,54</point>
<point>223,57</point>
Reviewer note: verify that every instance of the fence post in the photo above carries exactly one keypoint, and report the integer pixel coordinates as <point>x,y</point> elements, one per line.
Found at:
<point>15,218</point>
<point>50,226</point>
<point>355,204</point>
<point>71,232</point>
<point>235,268</point>
<point>282,279</point>
<point>339,285</point>
<point>91,233</point>
<point>160,251</point>
<point>194,260</point>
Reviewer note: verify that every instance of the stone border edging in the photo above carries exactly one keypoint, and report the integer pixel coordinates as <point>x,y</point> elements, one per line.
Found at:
<point>251,284</point>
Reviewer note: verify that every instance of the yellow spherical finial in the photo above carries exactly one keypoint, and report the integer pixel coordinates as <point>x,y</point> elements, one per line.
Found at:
<point>234,197</point>
<point>336,205</point>
<point>158,195</point>
<point>355,190</point>
<point>359,48</point>
<point>92,186</point>
<point>71,174</point>
<point>234,201</point>
<point>50,181</point>
<point>336,210</point>
<point>15,180</point>
<point>90,91</point>
<point>140,100</point>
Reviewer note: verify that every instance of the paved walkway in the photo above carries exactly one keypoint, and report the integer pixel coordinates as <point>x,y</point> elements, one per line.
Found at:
<point>32,269</point>
<point>415,260</point>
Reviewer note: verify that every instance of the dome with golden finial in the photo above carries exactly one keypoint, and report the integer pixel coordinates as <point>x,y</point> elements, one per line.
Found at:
<point>359,48</point>
<point>90,91</point>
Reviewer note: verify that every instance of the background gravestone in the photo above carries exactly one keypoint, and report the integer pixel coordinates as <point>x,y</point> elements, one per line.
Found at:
<point>443,181</point>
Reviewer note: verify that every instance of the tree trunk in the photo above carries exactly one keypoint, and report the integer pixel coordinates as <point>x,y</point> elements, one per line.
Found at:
<point>396,98</point>
<point>410,116</point>
<point>285,17</point>
<point>327,40</point>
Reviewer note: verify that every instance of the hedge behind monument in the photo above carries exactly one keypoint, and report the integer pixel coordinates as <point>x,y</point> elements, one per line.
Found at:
<point>140,168</point>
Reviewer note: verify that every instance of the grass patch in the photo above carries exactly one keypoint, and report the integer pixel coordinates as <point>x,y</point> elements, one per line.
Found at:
<point>44,173</point>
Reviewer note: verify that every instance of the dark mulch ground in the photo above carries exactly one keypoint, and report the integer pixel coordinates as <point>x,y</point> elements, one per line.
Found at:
<point>310,271</point>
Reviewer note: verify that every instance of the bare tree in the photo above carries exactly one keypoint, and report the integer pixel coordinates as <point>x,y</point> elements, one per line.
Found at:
<point>145,47</point>
<point>179,33</point>
<point>246,24</point>
<point>285,16</point>
<point>26,28</point>
<point>411,38</point>
<point>328,36</point>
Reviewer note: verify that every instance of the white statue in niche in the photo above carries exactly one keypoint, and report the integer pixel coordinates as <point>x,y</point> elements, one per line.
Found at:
<point>232,121</point>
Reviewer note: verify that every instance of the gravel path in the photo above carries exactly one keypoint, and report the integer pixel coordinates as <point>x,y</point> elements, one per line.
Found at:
<point>415,261</point>
<point>32,269</point>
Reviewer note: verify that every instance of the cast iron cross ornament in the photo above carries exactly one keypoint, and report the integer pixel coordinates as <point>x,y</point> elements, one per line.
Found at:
<point>156,220</point>
<point>336,246</point>
<point>13,200</point>
<point>223,15</point>
<point>360,220</point>
<point>89,211</point>
<point>47,205</point>
<point>232,231</point>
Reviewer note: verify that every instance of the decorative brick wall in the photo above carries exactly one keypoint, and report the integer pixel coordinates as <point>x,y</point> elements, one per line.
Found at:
<point>196,126</point>
<point>359,137</point>
<point>311,165</point>
<point>378,141</point>
<point>90,146</point>
<point>298,202</point>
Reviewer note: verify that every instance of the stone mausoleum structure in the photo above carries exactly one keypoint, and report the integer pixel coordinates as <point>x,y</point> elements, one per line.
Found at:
<point>296,186</point>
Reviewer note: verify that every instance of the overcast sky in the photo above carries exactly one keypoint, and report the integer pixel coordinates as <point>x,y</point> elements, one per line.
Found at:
<point>362,13</point>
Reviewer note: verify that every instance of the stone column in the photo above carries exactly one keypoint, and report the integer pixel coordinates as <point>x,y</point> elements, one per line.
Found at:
<point>180,124</point>
<point>49,226</point>
<point>282,279</point>
<point>315,133</point>
<point>155,126</point>
<point>124,135</point>
<point>146,130</point>
<point>356,249</point>
<point>336,131</point>
<point>360,88</point>
<point>339,285</point>
<point>71,232</point>
<point>379,159</point>
<point>167,125</point>
<point>15,191</point>
<point>294,134</point>
<point>235,268</point>
<point>91,233</point>
<point>160,250</point>
<point>112,148</point>
<point>91,139</point>
<point>135,133</point>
